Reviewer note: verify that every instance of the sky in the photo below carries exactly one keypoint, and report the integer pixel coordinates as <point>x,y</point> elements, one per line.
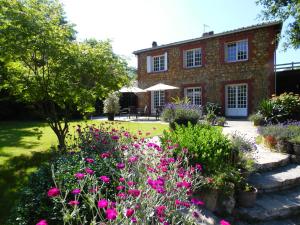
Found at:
<point>134,24</point>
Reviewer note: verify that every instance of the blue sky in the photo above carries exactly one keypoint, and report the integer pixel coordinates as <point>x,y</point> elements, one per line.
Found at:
<point>134,24</point>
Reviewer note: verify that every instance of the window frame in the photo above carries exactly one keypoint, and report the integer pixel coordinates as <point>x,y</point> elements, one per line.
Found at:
<point>193,99</point>
<point>185,58</point>
<point>236,51</point>
<point>161,63</point>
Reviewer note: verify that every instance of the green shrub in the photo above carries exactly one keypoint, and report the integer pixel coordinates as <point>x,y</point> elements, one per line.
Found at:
<point>257,119</point>
<point>206,145</point>
<point>181,114</point>
<point>111,104</point>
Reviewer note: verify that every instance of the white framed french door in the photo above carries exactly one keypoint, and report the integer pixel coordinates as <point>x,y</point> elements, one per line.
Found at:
<point>194,94</point>
<point>157,100</point>
<point>236,100</point>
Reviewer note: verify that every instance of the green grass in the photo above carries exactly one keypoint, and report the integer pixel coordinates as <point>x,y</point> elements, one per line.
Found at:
<point>24,146</point>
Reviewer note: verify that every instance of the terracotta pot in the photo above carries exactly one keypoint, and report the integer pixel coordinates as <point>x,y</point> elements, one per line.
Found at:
<point>296,148</point>
<point>247,198</point>
<point>270,141</point>
<point>284,146</point>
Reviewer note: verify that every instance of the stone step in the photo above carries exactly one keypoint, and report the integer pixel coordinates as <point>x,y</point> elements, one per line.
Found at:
<point>265,160</point>
<point>278,179</point>
<point>273,206</point>
<point>289,221</point>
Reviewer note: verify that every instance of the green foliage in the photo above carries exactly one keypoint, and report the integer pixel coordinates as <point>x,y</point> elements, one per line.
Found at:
<point>280,131</point>
<point>111,104</point>
<point>280,108</point>
<point>285,11</point>
<point>296,139</point>
<point>181,114</point>
<point>206,145</point>
<point>257,119</point>
<point>46,67</point>
<point>178,100</point>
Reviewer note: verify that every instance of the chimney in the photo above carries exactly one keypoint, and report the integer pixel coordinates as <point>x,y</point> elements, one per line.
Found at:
<point>206,34</point>
<point>154,44</point>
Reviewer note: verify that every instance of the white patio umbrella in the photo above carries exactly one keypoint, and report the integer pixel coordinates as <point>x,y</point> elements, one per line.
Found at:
<point>131,89</point>
<point>161,87</point>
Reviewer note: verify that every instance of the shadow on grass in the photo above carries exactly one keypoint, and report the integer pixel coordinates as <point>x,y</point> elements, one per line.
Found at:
<point>12,133</point>
<point>14,175</point>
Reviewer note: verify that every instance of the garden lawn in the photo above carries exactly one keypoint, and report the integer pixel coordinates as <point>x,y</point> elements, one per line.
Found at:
<point>25,145</point>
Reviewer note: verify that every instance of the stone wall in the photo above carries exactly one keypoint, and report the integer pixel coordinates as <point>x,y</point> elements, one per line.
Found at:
<point>214,74</point>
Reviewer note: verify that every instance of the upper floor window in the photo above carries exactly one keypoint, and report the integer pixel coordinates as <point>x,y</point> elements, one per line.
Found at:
<point>236,51</point>
<point>157,63</point>
<point>192,58</point>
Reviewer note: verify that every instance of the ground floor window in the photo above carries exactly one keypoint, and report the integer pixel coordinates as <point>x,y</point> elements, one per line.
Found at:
<point>158,99</point>
<point>194,94</point>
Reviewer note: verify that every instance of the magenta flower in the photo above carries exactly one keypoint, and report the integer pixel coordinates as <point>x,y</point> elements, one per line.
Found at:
<point>198,167</point>
<point>105,155</point>
<point>115,137</point>
<point>121,195</point>
<point>76,191</point>
<point>160,210</point>
<point>102,203</point>
<point>121,179</point>
<point>195,214</point>
<point>89,171</point>
<point>53,192</point>
<point>119,188</point>
<point>105,179</point>
<point>120,166</point>
<point>197,202</point>
<point>133,220</point>
<point>89,160</point>
<point>111,214</point>
<point>129,212</point>
<point>134,192</point>
<point>42,222</point>
<point>79,176</point>
<point>224,222</point>
<point>131,183</point>
<point>133,159</point>
<point>73,203</point>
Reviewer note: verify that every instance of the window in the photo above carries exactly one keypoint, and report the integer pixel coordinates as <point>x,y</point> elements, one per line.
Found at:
<point>158,99</point>
<point>194,95</point>
<point>236,51</point>
<point>193,58</point>
<point>158,63</point>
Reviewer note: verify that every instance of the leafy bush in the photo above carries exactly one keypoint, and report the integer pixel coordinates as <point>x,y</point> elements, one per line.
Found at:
<point>181,114</point>
<point>205,144</point>
<point>257,119</point>
<point>280,108</point>
<point>111,104</point>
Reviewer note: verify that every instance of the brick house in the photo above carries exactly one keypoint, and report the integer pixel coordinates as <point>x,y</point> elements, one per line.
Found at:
<point>234,69</point>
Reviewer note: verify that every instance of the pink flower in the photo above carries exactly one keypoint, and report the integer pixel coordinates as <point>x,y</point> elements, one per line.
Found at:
<point>102,203</point>
<point>111,214</point>
<point>133,220</point>
<point>198,167</point>
<point>224,222</point>
<point>177,202</point>
<point>105,179</point>
<point>121,179</point>
<point>119,188</point>
<point>89,160</point>
<point>160,210</point>
<point>42,222</point>
<point>121,195</point>
<point>134,192</point>
<point>73,203</point>
<point>79,176</point>
<point>196,202</point>
<point>131,183</point>
<point>133,159</point>
<point>105,155</point>
<point>76,191</point>
<point>115,137</point>
<point>129,212</point>
<point>89,171</point>
<point>53,192</point>
<point>120,166</point>
<point>195,214</point>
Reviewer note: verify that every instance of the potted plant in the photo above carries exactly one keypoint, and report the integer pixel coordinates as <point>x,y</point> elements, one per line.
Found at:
<point>247,195</point>
<point>111,106</point>
<point>296,144</point>
<point>257,119</point>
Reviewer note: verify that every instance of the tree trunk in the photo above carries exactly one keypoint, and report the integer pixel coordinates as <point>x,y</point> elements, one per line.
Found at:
<point>60,133</point>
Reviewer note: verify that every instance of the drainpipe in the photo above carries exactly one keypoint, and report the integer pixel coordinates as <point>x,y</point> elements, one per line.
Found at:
<point>275,74</point>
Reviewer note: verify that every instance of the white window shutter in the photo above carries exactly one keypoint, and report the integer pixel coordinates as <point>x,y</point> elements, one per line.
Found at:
<point>166,61</point>
<point>184,59</point>
<point>149,64</point>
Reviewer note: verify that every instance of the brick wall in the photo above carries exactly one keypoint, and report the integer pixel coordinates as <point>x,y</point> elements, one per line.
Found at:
<point>214,74</point>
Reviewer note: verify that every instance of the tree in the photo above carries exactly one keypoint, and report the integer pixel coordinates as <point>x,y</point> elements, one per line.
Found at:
<point>285,10</point>
<point>47,67</point>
